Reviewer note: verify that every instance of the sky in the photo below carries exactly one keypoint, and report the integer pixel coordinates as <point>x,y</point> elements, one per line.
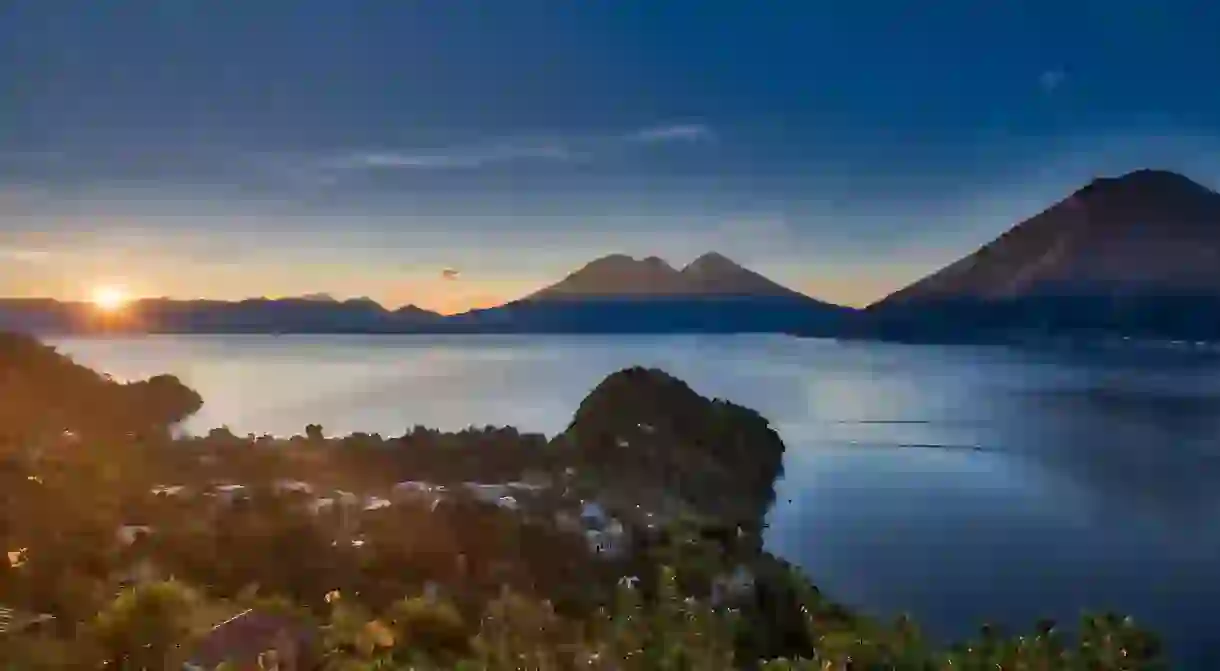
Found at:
<point>460,154</point>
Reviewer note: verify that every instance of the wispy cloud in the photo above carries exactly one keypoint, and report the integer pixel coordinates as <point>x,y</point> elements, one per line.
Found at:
<point>687,132</point>
<point>454,159</point>
<point>25,255</point>
<point>451,273</point>
<point>498,152</point>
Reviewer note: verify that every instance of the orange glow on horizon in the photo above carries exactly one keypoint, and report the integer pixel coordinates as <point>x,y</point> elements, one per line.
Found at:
<point>109,298</point>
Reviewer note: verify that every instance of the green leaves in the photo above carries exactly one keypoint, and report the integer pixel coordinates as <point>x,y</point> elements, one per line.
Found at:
<point>144,624</point>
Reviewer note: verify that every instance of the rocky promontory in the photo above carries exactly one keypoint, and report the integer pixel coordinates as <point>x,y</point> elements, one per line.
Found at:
<point>646,438</point>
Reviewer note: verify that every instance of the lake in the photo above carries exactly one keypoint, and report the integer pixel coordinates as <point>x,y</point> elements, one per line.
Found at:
<point>954,483</point>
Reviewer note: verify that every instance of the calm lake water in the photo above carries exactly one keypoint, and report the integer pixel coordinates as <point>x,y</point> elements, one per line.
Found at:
<point>957,484</point>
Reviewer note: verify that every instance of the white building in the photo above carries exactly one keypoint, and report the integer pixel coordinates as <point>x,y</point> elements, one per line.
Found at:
<point>168,490</point>
<point>527,486</point>
<point>229,493</point>
<point>376,503</point>
<point>129,533</point>
<point>412,489</point>
<point>289,486</point>
<point>487,493</point>
<point>318,505</point>
<point>536,479</point>
<point>593,515</point>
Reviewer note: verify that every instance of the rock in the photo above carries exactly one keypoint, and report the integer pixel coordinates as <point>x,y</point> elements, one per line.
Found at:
<point>654,444</point>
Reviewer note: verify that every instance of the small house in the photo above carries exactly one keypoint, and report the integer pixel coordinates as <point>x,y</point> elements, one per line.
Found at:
<point>609,542</point>
<point>292,487</point>
<point>412,489</point>
<point>318,505</point>
<point>168,490</point>
<point>130,533</point>
<point>229,493</point>
<point>376,503</point>
<point>593,515</point>
<point>487,493</point>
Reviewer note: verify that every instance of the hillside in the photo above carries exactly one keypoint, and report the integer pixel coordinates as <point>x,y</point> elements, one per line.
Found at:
<point>1135,255</point>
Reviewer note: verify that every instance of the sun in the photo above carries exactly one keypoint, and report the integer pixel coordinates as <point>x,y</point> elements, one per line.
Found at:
<point>109,298</point>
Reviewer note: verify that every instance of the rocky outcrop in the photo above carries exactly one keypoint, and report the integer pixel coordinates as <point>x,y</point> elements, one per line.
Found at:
<point>655,441</point>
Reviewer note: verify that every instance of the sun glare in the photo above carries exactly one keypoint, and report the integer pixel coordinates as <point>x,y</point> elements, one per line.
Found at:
<point>109,298</point>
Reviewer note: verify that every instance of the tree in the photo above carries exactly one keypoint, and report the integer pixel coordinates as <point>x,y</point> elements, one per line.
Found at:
<point>434,629</point>
<point>314,433</point>
<point>145,626</point>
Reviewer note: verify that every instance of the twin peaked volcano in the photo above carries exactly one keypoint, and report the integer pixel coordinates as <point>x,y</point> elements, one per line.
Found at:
<point>621,276</point>
<point>620,294</point>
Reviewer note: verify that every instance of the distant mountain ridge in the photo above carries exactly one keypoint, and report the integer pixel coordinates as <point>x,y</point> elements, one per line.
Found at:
<point>1135,256</point>
<point>613,294</point>
<point>254,315</point>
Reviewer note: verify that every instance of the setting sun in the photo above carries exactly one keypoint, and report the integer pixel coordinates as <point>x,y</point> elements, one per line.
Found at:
<point>109,298</point>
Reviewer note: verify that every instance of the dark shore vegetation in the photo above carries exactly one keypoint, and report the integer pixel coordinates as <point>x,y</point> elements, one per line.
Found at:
<point>629,541</point>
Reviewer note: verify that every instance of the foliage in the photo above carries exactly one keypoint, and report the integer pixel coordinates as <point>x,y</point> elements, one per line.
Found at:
<point>434,629</point>
<point>665,441</point>
<point>145,625</point>
<point>46,393</point>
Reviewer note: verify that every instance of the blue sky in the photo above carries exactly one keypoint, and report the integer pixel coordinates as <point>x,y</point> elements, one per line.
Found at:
<point>230,148</point>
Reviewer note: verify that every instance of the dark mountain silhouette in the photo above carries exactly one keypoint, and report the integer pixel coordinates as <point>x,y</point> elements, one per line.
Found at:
<point>619,294</point>
<point>615,294</point>
<point>255,315</point>
<point>1136,255</point>
<point>615,275</point>
<point>320,297</point>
